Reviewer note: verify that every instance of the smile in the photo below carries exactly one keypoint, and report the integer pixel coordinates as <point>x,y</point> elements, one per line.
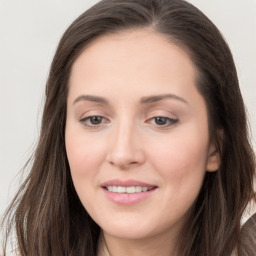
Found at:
<point>129,190</point>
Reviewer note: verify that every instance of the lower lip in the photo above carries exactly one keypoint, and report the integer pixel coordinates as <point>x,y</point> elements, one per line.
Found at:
<point>126,198</point>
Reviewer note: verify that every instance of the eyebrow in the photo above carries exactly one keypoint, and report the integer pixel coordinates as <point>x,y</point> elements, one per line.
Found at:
<point>143,100</point>
<point>155,98</point>
<point>91,98</point>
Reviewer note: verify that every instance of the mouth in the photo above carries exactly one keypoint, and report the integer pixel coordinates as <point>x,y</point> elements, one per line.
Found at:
<point>128,190</point>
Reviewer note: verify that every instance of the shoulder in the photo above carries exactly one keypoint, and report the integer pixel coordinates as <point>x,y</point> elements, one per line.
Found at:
<point>250,226</point>
<point>249,212</point>
<point>248,233</point>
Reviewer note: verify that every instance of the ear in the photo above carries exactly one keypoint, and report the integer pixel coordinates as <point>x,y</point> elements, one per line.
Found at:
<point>214,158</point>
<point>213,161</point>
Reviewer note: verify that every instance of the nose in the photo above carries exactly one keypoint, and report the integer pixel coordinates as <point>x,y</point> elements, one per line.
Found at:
<point>125,149</point>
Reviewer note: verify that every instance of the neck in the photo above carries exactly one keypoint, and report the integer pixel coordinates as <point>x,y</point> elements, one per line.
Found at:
<point>112,246</point>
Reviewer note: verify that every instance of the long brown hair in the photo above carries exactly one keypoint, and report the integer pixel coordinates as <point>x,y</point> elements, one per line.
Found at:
<point>47,215</point>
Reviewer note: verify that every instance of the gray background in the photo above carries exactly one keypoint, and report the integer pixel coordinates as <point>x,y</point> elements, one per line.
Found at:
<point>29,33</point>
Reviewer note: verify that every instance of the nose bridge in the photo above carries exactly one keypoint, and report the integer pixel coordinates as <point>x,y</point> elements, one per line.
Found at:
<point>124,138</point>
<point>124,149</point>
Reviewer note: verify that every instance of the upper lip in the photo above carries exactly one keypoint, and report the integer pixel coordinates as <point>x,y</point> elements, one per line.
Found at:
<point>127,183</point>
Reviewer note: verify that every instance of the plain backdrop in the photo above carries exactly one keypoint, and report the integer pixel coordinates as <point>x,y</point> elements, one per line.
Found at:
<point>29,33</point>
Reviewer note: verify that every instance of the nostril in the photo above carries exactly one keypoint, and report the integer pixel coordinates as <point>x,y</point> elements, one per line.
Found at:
<point>133,163</point>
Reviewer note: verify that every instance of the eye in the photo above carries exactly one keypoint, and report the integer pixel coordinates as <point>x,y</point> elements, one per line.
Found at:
<point>93,121</point>
<point>163,121</point>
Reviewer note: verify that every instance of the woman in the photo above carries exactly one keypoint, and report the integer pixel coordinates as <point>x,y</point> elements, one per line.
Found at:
<point>143,147</point>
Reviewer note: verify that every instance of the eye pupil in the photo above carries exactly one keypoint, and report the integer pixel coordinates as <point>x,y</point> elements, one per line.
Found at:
<point>160,120</point>
<point>95,120</point>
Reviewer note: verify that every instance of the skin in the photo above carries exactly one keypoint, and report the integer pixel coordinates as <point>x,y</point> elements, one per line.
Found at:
<point>129,143</point>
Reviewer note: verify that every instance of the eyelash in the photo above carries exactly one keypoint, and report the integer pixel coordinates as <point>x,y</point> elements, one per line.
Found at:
<point>87,119</point>
<point>166,121</point>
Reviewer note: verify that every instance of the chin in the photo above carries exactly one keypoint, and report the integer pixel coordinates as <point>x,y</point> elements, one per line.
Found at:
<point>130,230</point>
<point>127,233</point>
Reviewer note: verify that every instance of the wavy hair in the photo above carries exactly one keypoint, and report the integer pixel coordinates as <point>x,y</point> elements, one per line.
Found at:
<point>47,216</point>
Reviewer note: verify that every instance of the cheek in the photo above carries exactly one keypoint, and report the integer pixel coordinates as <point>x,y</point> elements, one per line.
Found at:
<point>182,169</point>
<point>181,153</point>
<point>85,155</point>
<point>182,163</point>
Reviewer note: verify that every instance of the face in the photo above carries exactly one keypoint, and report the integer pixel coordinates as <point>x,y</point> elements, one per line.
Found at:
<point>137,136</point>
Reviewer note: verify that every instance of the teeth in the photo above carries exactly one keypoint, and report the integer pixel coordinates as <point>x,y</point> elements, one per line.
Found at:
<point>121,189</point>
<point>138,189</point>
<point>144,189</point>
<point>129,190</point>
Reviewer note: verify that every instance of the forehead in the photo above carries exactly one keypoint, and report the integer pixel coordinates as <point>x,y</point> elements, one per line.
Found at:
<point>139,44</point>
<point>134,59</point>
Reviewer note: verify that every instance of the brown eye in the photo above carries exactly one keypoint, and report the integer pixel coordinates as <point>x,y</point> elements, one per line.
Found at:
<point>93,121</point>
<point>161,120</point>
<point>164,121</point>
